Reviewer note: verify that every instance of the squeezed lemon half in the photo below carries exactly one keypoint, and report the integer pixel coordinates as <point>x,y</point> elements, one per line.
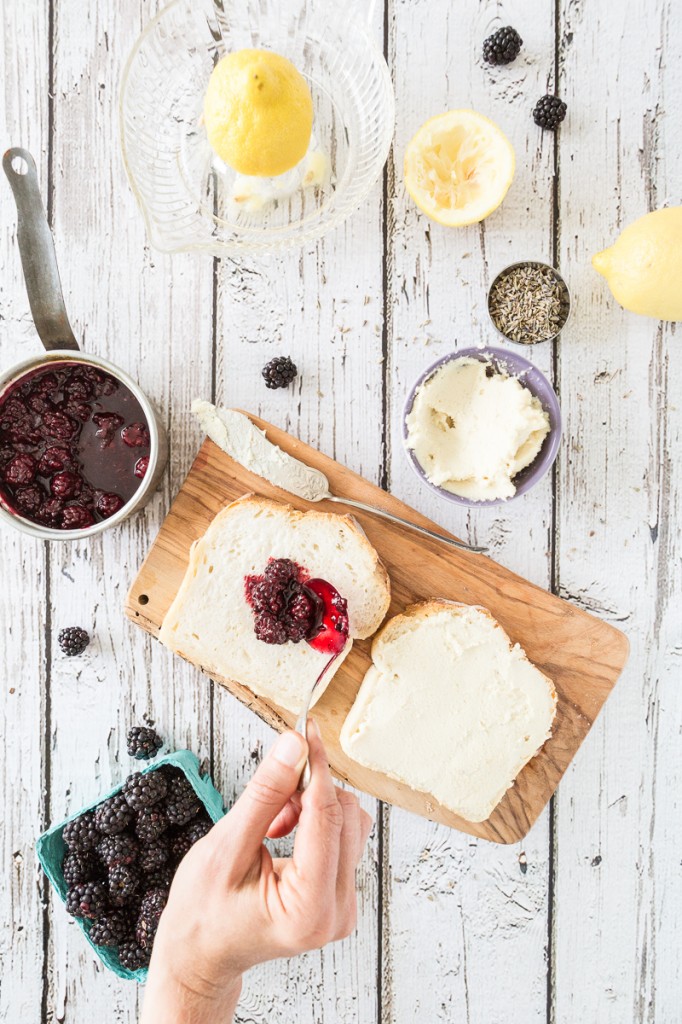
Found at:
<point>258,113</point>
<point>458,167</point>
<point>643,268</point>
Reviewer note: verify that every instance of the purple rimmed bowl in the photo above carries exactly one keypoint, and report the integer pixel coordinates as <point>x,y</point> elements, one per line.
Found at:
<point>538,385</point>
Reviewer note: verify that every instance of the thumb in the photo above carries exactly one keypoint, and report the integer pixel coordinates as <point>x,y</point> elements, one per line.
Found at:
<point>245,826</point>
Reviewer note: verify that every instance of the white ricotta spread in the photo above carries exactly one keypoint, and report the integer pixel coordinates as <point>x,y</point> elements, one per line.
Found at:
<point>450,708</point>
<point>249,446</point>
<point>473,433</point>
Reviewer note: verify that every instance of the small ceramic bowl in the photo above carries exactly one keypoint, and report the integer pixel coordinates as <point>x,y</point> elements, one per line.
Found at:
<point>538,385</point>
<point>566,299</point>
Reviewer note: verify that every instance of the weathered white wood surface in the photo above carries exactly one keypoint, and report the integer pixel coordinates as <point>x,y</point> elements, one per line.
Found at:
<point>580,922</point>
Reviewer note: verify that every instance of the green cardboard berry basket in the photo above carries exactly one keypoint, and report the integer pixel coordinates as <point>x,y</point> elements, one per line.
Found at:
<point>51,846</point>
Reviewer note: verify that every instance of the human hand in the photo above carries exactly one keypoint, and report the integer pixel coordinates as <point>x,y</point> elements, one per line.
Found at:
<point>232,905</point>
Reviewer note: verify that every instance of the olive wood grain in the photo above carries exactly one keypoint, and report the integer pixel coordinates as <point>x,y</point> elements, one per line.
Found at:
<point>581,654</point>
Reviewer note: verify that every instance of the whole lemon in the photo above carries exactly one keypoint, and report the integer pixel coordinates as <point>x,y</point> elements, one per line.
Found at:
<point>643,268</point>
<point>258,113</point>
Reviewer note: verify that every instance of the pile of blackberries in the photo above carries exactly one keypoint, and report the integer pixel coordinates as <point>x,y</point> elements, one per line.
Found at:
<point>120,859</point>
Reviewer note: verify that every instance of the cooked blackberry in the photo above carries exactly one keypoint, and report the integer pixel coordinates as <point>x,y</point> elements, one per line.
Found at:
<point>81,834</point>
<point>132,956</point>
<point>160,879</point>
<point>117,850</point>
<point>73,640</point>
<point>143,743</point>
<point>151,909</point>
<point>153,855</point>
<point>549,112</point>
<point>144,789</point>
<point>87,901</point>
<point>79,867</point>
<point>182,803</point>
<point>113,815</point>
<point>109,929</point>
<point>124,883</point>
<point>151,823</point>
<point>279,372</point>
<point>503,46</point>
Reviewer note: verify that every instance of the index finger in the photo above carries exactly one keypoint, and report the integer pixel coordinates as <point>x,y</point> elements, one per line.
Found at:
<point>317,843</point>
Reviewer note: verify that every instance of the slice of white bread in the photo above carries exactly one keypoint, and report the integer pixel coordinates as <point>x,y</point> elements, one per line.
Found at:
<point>211,623</point>
<point>450,707</point>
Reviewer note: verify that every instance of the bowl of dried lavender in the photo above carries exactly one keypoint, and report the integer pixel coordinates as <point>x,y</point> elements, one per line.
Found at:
<point>529,302</point>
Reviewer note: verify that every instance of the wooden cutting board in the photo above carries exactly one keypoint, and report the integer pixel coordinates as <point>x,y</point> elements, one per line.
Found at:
<point>581,654</point>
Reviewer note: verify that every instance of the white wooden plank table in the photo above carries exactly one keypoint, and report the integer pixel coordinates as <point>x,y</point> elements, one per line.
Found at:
<point>581,921</point>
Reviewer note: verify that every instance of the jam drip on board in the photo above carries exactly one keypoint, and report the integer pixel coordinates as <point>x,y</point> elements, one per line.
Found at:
<point>74,445</point>
<point>289,606</point>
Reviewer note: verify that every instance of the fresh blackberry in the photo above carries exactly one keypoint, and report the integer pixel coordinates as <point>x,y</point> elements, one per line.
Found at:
<point>81,834</point>
<point>151,909</point>
<point>73,640</point>
<point>503,46</point>
<point>117,850</point>
<point>151,823</point>
<point>183,842</point>
<point>88,900</point>
<point>144,790</point>
<point>132,956</point>
<point>124,883</point>
<point>549,112</point>
<point>79,868</point>
<point>279,372</point>
<point>113,815</point>
<point>153,855</point>
<point>109,929</point>
<point>160,879</point>
<point>143,743</point>
<point>182,803</point>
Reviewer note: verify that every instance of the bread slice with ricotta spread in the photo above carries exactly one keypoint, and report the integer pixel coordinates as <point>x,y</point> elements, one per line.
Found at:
<point>211,623</point>
<point>450,707</point>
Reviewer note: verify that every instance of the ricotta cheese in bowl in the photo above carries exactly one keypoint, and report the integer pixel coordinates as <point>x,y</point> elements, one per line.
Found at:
<point>482,426</point>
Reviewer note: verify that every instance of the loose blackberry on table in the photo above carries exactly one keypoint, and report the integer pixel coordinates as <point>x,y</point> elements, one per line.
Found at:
<point>81,834</point>
<point>113,815</point>
<point>89,900</point>
<point>279,372</point>
<point>503,46</point>
<point>117,850</point>
<point>144,790</point>
<point>549,112</point>
<point>110,929</point>
<point>151,909</point>
<point>143,743</point>
<point>73,640</point>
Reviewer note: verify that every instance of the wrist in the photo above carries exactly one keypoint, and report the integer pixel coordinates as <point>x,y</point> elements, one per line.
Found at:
<point>180,996</point>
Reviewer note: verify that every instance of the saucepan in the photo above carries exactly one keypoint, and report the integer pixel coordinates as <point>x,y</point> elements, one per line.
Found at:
<point>81,446</point>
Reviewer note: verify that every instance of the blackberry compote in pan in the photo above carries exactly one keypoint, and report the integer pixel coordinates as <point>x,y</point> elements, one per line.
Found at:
<point>81,447</point>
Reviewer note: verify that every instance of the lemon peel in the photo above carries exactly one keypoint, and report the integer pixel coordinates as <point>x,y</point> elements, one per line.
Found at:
<point>458,167</point>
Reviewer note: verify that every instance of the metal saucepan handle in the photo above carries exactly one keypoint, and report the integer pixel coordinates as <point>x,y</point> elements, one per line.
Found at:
<point>406,522</point>
<point>38,257</point>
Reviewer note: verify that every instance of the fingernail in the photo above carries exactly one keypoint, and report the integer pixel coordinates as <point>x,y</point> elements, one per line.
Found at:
<point>288,749</point>
<point>314,727</point>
